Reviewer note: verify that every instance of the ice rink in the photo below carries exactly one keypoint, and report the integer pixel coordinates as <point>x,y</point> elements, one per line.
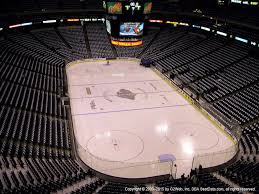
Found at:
<point>127,114</point>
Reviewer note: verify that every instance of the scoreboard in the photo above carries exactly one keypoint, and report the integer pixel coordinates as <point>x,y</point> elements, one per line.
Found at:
<point>125,20</point>
<point>127,7</point>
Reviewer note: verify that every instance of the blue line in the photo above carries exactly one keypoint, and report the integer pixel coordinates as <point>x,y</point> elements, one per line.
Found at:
<point>116,95</point>
<point>115,82</point>
<point>127,110</point>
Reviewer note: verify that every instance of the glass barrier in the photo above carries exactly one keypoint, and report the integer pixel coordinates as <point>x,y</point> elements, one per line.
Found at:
<point>156,168</point>
<point>215,158</point>
<point>126,169</point>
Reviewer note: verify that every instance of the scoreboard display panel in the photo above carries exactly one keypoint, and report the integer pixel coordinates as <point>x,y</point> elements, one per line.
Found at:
<point>127,7</point>
<point>114,7</point>
<point>125,20</point>
<point>133,7</point>
<point>147,8</point>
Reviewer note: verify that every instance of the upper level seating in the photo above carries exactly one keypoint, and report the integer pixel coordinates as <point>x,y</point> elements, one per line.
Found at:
<point>51,38</point>
<point>228,80</point>
<point>212,63</point>
<point>46,78</point>
<point>74,35</point>
<point>165,37</point>
<point>136,51</point>
<point>99,41</point>
<point>12,51</point>
<point>242,106</point>
<point>31,99</point>
<point>187,56</point>
<point>33,119</point>
<point>35,140</point>
<point>28,42</point>
<point>36,152</point>
<point>179,42</point>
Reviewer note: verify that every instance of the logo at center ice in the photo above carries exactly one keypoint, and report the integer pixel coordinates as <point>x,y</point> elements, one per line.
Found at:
<point>123,93</point>
<point>93,105</point>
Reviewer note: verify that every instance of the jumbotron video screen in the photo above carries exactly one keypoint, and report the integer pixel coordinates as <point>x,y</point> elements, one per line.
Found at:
<point>131,29</point>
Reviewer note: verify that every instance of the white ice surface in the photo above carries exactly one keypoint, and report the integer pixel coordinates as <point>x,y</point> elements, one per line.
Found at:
<point>157,121</point>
